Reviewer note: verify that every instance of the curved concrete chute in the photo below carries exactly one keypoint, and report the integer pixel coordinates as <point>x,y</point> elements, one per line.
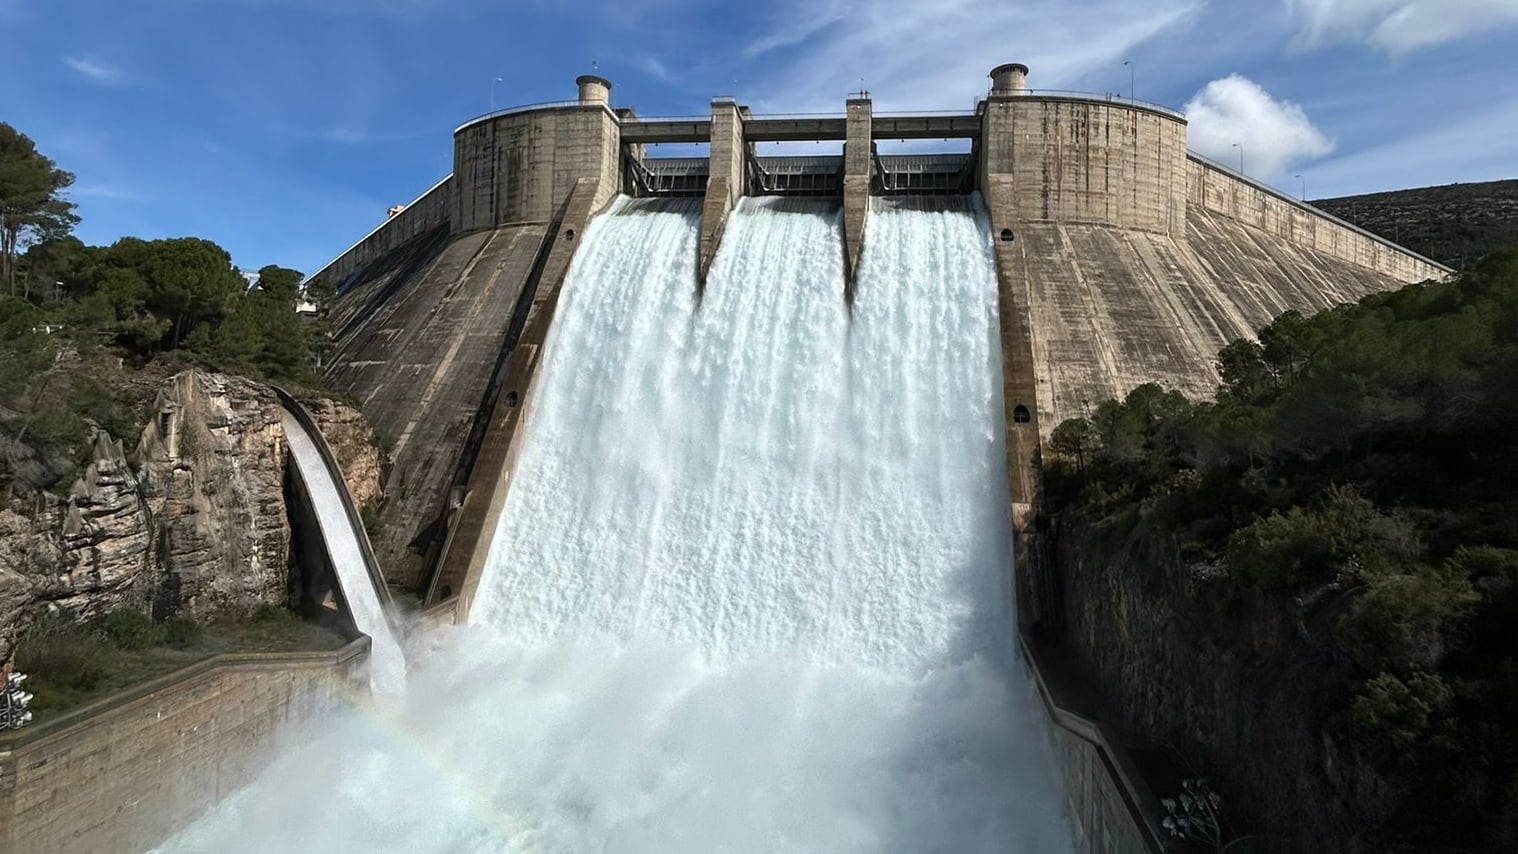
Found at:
<point>357,577</point>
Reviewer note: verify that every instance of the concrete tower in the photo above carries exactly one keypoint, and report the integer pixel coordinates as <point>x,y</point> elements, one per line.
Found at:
<point>1009,79</point>
<point>593,89</point>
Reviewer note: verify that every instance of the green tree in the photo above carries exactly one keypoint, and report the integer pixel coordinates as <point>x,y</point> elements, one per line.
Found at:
<point>1075,437</point>
<point>31,205</point>
<point>321,294</point>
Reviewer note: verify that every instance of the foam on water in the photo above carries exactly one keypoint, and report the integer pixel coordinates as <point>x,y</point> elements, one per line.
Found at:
<point>750,589</point>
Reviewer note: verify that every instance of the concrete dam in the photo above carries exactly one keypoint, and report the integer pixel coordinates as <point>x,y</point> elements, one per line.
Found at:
<point>723,466</point>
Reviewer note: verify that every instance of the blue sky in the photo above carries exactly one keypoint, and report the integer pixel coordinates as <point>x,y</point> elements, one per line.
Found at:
<point>283,129</point>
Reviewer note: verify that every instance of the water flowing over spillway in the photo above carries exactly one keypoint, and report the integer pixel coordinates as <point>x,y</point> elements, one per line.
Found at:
<point>387,665</point>
<point>750,588</point>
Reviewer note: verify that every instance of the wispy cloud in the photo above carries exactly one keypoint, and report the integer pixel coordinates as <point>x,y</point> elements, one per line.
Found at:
<point>362,136</point>
<point>1469,147</point>
<point>1398,26</point>
<point>951,46</point>
<point>1235,113</point>
<point>94,70</point>
<point>653,67</point>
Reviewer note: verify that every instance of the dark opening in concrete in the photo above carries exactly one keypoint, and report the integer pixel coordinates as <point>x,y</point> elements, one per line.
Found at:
<point>511,399</point>
<point>1006,235</point>
<point>569,234</point>
<point>1021,415</point>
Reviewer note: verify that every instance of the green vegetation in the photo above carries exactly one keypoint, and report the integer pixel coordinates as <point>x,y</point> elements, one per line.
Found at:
<point>69,665</point>
<point>81,325</point>
<point>1367,450</point>
<point>31,205</point>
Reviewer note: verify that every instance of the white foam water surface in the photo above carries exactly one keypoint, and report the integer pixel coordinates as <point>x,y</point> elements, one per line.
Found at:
<point>750,589</point>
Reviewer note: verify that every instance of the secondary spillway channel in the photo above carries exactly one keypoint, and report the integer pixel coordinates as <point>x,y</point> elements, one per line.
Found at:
<point>387,664</point>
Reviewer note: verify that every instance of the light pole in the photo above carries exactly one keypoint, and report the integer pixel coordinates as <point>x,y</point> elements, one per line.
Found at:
<point>492,93</point>
<point>1240,147</point>
<point>1129,63</point>
<point>1303,179</point>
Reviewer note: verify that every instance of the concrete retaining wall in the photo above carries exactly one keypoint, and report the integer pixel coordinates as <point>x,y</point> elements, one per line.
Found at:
<point>127,772</point>
<point>1111,809</point>
<point>430,210</point>
<point>1223,192</point>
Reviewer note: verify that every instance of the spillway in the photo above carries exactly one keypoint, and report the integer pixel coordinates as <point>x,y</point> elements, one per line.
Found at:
<point>750,588</point>
<point>387,664</point>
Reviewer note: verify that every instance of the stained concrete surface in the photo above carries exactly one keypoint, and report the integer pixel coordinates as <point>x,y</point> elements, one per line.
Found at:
<point>1114,308</point>
<point>416,345</point>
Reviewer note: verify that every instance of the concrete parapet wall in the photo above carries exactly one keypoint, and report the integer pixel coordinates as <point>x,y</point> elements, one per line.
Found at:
<point>1087,161</point>
<point>521,167</point>
<point>126,773</point>
<point>432,209</point>
<point>1226,194</point>
<point>1111,809</point>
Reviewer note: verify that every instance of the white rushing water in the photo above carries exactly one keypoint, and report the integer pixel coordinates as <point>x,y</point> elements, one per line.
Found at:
<point>387,664</point>
<point>749,592</point>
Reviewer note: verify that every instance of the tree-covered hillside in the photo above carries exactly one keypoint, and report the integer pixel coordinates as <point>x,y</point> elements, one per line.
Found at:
<point>77,321</point>
<point>1454,224</point>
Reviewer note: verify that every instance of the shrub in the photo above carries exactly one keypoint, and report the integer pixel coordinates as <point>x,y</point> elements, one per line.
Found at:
<point>130,629</point>
<point>180,632</point>
<point>1398,624</point>
<point>1393,717</point>
<point>1344,535</point>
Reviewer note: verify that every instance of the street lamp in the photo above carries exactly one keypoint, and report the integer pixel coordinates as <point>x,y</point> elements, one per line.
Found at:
<point>1303,179</point>
<point>1129,63</point>
<point>492,93</point>
<point>1240,147</point>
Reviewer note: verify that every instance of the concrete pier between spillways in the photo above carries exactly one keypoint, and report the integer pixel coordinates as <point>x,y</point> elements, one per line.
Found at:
<point>1121,259</point>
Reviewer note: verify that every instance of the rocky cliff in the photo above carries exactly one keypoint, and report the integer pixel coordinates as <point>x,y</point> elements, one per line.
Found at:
<point>190,519</point>
<point>1249,693</point>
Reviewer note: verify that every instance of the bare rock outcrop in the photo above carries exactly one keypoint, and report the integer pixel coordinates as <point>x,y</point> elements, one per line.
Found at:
<point>192,520</point>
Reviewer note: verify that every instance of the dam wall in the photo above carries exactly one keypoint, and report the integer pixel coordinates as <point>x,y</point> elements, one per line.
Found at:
<point>124,773</point>
<point>1058,158</point>
<point>417,346</point>
<point>1123,259</point>
<point>1222,191</point>
<point>427,212</point>
<point>520,167</point>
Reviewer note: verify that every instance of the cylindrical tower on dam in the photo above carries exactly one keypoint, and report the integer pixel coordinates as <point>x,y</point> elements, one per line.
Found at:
<point>520,166</point>
<point>593,89</point>
<point>1081,158</point>
<point>1009,79</point>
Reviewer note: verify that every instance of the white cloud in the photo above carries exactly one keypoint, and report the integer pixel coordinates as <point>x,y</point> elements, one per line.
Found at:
<point>656,69</point>
<point>97,71</point>
<point>916,55</point>
<point>1235,111</point>
<point>1399,26</point>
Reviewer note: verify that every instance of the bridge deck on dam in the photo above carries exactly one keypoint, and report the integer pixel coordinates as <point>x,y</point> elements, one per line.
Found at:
<point>417,344</point>
<point>788,128</point>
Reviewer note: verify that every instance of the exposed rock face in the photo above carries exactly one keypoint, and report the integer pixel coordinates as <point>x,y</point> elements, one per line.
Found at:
<point>192,521</point>
<point>1249,690</point>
